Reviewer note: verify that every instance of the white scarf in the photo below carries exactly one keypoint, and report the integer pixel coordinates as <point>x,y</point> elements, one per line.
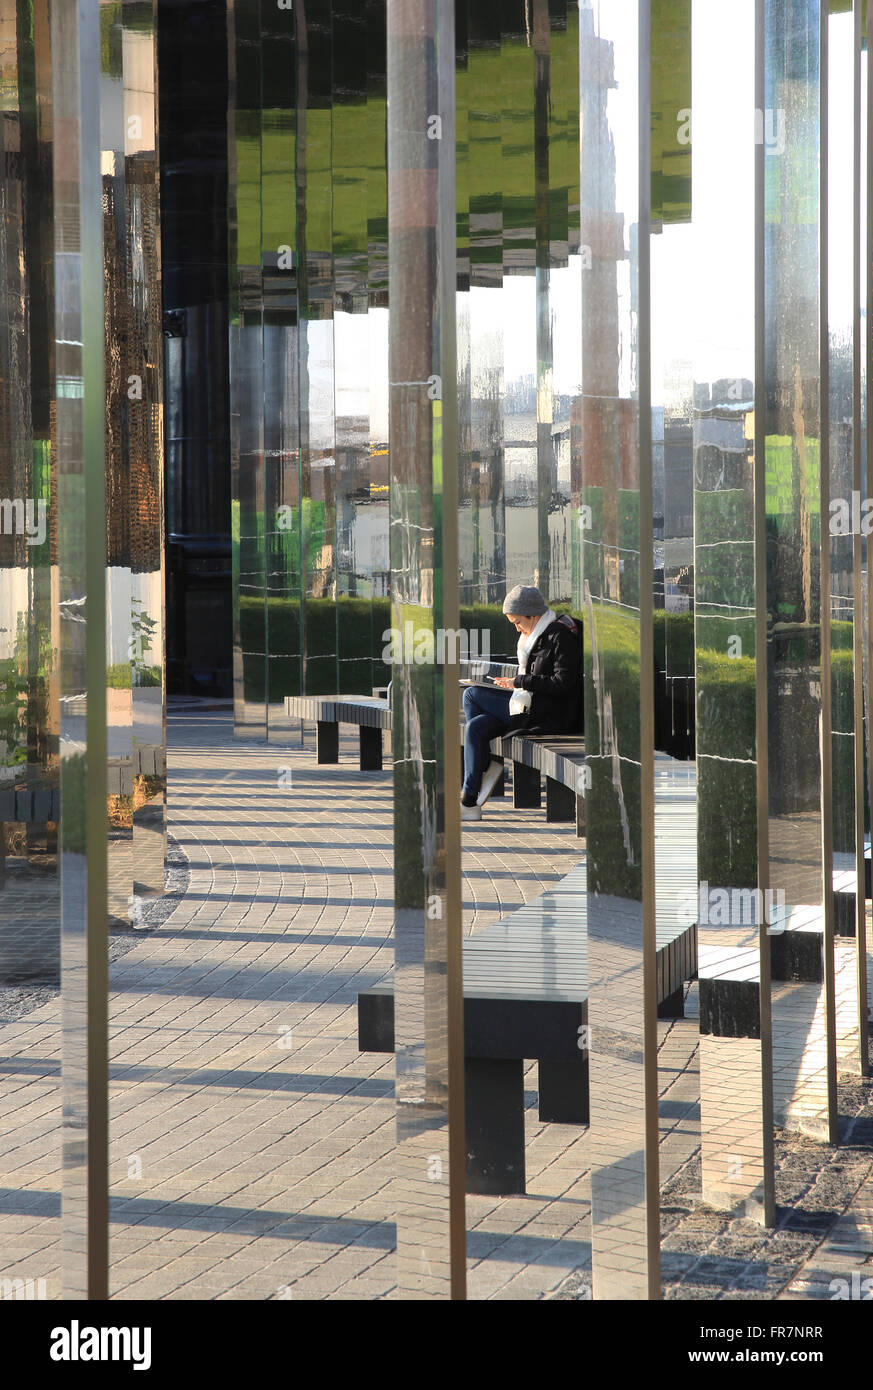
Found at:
<point>521,699</point>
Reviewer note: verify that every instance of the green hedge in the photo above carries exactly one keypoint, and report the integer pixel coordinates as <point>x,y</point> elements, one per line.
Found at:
<point>344,643</point>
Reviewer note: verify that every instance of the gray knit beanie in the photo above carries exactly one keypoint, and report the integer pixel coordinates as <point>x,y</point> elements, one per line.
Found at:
<point>525,601</point>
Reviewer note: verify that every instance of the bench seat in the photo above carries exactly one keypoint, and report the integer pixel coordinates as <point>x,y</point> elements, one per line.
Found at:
<point>370,715</point>
<point>557,757</point>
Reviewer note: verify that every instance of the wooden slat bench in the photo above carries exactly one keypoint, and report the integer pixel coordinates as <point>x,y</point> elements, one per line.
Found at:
<point>526,994</point>
<point>557,757</point>
<point>371,716</point>
<point>560,758</point>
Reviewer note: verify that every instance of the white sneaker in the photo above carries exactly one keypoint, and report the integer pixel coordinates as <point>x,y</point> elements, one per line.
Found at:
<point>471,812</point>
<point>493,773</point>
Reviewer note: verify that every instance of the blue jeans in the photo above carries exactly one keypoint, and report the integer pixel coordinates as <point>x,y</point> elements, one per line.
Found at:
<point>487,715</point>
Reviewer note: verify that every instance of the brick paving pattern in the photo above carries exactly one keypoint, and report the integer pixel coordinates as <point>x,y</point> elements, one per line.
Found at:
<point>251,1143</point>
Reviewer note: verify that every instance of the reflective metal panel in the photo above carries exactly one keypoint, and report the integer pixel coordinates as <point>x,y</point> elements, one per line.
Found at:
<point>29,800</point>
<point>82,396</point>
<point>29,619</point>
<point>842,268</point>
<point>732,910</point>
<point>800,845</point>
<point>280,62</point>
<point>315,346</point>
<point>247,370</point>
<point>81,410</point>
<point>423,429</point>
<point>617,565</point>
<point>352,337</point>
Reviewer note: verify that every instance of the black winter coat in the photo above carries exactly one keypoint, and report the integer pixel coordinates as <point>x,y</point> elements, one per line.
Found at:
<point>554,678</point>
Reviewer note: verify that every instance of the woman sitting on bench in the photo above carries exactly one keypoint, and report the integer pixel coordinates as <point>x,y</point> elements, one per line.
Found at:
<point>544,698</point>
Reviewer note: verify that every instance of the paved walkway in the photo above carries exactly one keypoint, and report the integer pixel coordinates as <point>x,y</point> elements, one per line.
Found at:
<point>251,1143</point>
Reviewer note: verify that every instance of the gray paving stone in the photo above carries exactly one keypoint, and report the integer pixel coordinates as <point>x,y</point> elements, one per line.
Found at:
<point>268,1166</point>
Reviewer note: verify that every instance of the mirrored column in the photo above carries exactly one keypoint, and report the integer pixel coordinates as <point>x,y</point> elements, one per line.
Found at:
<point>144,395</point>
<point>844,481</point>
<point>352,338</point>
<point>247,369</point>
<point>280,67</point>
<point>29,620</point>
<point>29,799</point>
<point>863,377</point>
<point>424,591</point>
<point>732,907</point>
<point>617,568</point>
<point>799,829</point>
<point>81,411</point>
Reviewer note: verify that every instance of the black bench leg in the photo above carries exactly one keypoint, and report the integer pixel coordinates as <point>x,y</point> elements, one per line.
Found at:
<point>580,815</point>
<point>560,801</point>
<point>563,1091</point>
<point>494,1105</point>
<point>371,749</point>
<point>844,914</point>
<point>674,1005</point>
<point>526,794</point>
<point>326,742</point>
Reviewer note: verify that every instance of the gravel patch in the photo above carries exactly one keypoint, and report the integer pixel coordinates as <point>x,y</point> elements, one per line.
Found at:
<point>707,1254</point>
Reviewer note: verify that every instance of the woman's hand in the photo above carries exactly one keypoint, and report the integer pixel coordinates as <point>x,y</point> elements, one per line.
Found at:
<point>505,682</point>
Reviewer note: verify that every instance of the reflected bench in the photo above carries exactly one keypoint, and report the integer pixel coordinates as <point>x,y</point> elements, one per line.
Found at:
<point>526,995</point>
<point>31,799</point>
<point>845,883</point>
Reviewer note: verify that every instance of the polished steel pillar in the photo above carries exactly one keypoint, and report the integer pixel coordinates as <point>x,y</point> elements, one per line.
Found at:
<point>841,276</point>
<point>544,345</point>
<point>424,591</point>
<point>29,902</point>
<point>617,577</point>
<point>792,598</point>
<point>251,641</point>
<point>81,408</point>
<point>731,910</point>
<point>863,378</point>
<point>117,117</point>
